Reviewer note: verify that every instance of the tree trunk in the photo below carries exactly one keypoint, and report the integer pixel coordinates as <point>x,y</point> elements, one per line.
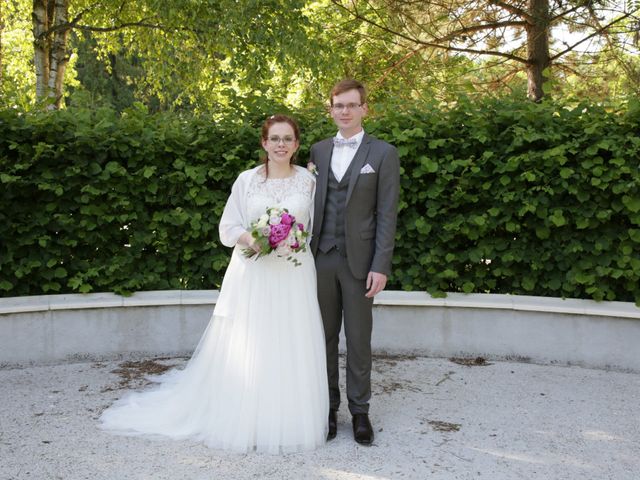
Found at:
<point>59,56</point>
<point>50,49</point>
<point>40,19</point>
<point>537,48</point>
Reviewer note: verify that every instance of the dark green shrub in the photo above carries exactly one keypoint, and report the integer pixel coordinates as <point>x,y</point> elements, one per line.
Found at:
<point>499,196</point>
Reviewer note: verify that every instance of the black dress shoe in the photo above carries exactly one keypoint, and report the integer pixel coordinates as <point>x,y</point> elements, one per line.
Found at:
<point>333,424</point>
<point>362,429</point>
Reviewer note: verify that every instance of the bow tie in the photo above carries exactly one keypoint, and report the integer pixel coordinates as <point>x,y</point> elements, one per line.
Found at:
<point>343,142</point>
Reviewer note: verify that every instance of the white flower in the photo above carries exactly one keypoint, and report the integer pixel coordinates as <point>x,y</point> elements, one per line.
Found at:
<point>263,221</point>
<point>266,231</point>
<point>283,249</point>
<point>274,220</point>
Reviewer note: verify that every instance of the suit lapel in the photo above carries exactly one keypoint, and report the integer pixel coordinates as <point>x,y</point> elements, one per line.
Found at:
<point>357,163</point>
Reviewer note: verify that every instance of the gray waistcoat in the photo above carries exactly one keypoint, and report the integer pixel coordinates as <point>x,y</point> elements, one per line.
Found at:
<point>333,223</point>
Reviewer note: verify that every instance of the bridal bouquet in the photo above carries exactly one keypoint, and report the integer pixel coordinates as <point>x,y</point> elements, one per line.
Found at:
<point>277,231</point>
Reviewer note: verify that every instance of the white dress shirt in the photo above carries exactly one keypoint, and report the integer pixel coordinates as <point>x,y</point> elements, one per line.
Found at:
<point>342,156</point>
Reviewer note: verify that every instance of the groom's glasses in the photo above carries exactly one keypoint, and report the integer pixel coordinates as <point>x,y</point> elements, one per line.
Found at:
<point>287,139</point>
<point>341,106</point>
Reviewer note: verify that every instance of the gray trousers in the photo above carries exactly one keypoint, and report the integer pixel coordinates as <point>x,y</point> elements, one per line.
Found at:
<point>339,292</point>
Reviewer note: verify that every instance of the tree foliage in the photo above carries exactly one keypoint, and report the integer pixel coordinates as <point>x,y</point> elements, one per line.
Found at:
<point>17,83</point>
<point>515,36</point>
<point>233,56</point>
<point>200,54</point>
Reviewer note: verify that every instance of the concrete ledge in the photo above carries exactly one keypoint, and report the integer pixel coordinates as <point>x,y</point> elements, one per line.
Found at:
<point>511,302</point>
<point>43,303</point>
<point>57,328</point>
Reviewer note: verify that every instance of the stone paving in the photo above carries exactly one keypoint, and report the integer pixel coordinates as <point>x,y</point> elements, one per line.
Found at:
<point>433,418</point>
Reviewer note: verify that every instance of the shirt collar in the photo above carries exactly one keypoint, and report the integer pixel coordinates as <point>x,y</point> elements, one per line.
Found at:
<point>358,136</point>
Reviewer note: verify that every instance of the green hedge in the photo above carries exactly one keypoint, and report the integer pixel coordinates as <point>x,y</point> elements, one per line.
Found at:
<point>498,196</point>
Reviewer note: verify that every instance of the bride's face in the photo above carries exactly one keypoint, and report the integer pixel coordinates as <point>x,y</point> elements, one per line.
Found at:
<point>281,143</point>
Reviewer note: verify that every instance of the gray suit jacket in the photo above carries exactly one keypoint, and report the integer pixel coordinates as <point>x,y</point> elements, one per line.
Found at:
<point>371,204</point>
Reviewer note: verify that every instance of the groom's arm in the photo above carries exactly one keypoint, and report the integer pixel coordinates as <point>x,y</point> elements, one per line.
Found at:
<point>386,211</point>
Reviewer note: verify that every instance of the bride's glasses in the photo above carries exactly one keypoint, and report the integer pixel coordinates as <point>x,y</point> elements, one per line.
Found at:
<point>287,139</point>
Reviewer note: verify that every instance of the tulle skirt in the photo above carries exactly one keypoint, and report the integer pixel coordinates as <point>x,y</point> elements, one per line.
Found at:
<point>257,380</point>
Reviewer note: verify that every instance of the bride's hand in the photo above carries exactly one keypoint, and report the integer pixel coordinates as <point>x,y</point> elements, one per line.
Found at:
<point>249,241</point>
<point>255,246</point>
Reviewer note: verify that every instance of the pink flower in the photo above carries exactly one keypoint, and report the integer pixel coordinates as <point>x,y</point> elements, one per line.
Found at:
<point>287,219</point>
<point>278,234</point>
<point>301,227</point>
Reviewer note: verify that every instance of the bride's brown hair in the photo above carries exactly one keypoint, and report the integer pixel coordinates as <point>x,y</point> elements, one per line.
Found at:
<point>264,135</point>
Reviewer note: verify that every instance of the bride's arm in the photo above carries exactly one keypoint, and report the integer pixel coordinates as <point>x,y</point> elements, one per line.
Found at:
<point>232,227</point>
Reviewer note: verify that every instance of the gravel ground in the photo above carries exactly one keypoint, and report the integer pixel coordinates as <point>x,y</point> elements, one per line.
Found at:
<point>433,419</point>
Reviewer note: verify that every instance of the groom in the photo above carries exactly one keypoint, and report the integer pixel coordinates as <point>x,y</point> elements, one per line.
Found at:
<point>354,226</point>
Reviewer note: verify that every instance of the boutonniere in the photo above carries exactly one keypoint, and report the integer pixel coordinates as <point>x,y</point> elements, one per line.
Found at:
<point>312,168</point>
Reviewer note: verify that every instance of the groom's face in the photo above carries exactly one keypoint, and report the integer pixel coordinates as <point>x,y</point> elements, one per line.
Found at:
<point>347,111</point>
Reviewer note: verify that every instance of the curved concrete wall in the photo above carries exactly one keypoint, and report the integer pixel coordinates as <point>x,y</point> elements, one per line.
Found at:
<point>56,328</point>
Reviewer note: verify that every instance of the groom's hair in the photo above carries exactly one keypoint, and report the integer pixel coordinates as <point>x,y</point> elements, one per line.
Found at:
<point>346,85</point>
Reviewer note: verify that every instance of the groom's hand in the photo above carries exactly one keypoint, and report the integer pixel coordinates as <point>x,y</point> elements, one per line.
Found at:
<point>375,284</point>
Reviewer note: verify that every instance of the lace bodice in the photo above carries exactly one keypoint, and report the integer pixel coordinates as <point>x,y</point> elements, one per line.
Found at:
<point>295,193</point>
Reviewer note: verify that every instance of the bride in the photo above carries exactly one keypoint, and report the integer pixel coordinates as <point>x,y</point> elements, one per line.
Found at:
<point>257,380</point>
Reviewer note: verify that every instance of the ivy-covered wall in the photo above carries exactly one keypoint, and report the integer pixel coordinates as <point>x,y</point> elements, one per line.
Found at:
<point>497,196</point>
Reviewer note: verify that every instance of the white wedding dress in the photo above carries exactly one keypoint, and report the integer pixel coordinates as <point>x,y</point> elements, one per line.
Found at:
<point>257,380</point>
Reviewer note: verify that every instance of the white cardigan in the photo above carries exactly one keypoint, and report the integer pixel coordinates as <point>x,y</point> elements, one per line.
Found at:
<point>234,221</point>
